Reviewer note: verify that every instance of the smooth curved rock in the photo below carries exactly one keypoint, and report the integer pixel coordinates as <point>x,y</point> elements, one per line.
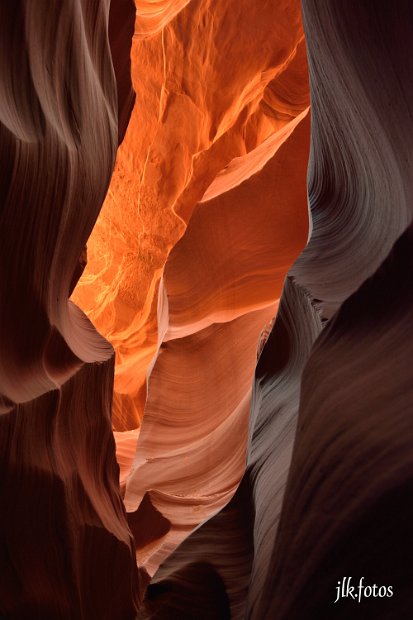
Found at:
<point>65,547</point>
<point>351,473</point>
<point>237,542</point>
<point>194,114</point>
<point>247,496</point>
<point>222,281</point>
<point>336,503</point>
<point>360,184</point>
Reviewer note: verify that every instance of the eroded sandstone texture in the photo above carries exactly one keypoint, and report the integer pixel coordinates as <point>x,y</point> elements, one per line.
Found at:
<point>206,212</point>
<point>206,413</point>
<point>327,490</point>
<point>64,539</point>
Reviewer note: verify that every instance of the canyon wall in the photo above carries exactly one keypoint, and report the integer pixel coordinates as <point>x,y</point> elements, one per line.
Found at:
<point>64,538</point>
<point>206,212</point>
<point>206,298</point>
<point>327,489</point>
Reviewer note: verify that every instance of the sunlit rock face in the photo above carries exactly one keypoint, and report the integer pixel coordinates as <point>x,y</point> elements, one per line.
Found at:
<point>206,212</point>
<point>215,82</point>
<point>231,267</point>
<point>214,420</point>
<point>327,489</point>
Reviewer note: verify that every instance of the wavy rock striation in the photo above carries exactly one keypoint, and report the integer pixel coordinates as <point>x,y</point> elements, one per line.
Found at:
<point>65,547</point>
<point>329,475</point>
<point>191,268</point>
<point>242,501</point>
<point>236,545</point>
<point>202,105</point>
<point>360,186</point>
<point>231,266</point>
<point>351,474</point>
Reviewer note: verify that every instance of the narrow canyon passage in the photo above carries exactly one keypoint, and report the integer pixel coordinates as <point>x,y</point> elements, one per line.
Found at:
<point>206,300</point>
<point>206,212</point>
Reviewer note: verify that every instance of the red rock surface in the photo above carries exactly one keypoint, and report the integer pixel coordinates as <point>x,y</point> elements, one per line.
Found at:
<point>207,137</point>
<point>327,489</point>
<point>199,414</point>
<point>195,114</point>
<point>62,521</point>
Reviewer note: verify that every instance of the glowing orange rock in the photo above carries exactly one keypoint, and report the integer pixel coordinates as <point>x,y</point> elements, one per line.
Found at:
<point>221,281</point>
<point>220,121</point>
<point>205,95</point>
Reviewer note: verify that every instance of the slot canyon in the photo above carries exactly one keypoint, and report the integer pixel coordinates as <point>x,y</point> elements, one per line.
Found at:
<point>206,309</point>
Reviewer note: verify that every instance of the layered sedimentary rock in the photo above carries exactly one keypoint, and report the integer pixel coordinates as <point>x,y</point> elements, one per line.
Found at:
<point>153,15</point>
<point>352,467</point>
<point>360,187</point>
<point>202,102</point>
<point>197,410</point>
<point>263,445</point>
<point>351,475</point>
<point>65,547</point>
<point>215,154</point>
<point>236,545</point>
<point>332,498</point>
